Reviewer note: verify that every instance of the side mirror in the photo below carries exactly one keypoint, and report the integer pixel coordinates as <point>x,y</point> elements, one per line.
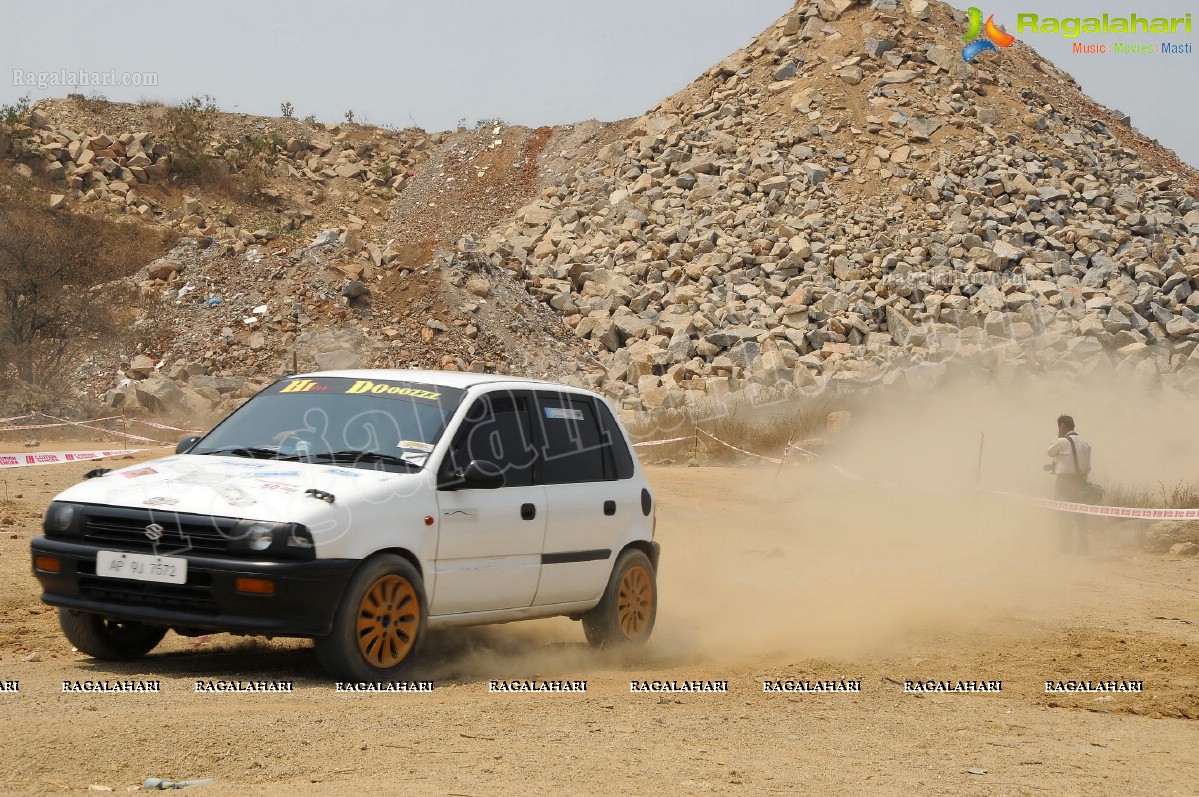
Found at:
<point>187,444</point>
<point>478,475</point>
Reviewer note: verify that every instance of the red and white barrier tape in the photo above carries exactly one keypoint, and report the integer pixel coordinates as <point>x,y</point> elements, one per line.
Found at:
<point>742,450</point>
<point>84,425</point>
<point>26,427</point>
<point>662,442</point>
<point>846,472</point>
<point>58,457</point>
<point>60,422</point>
<point>164,426</point>
<point>1142,513</point>
<point>15,418</point>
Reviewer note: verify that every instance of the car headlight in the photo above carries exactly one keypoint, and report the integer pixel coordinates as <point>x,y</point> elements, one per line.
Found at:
<point>291,541</point>
<point>62,519</point>
<point>260,536</point>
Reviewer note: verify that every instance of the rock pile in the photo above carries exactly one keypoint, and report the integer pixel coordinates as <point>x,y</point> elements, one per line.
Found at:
<point>357,170</point>
<point>222,325</point>
<point>847,197</point>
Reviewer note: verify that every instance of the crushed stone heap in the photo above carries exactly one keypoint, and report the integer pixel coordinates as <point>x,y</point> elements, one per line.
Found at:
<point>846,198</point>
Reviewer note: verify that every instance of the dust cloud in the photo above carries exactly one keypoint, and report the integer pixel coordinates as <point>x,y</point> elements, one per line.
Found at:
<point>803,561</point>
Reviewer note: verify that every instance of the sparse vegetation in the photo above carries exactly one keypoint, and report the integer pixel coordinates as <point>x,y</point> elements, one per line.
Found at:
<point>16,113</point>
<point>253,157</point>
<point>350,117</point>
<point>761,429</point>
<point>188,128</point>
<point>1183,495</point>
<point>287,110</point>
<point>61,290</point>
<point>93,102</point>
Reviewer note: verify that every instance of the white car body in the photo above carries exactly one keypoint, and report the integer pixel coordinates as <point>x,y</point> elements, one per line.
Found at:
<point>481,559</point>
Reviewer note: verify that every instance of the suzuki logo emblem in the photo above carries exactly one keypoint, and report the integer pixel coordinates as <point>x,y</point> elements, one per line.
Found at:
<point>154,532</point>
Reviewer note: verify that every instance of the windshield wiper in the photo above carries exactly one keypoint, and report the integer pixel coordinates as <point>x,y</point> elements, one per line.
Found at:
<point>351,457</point>
<point>252,452</point>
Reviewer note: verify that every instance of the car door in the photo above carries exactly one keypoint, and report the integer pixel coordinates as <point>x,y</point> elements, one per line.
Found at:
<point>490,539</point>
<point>589,506</point>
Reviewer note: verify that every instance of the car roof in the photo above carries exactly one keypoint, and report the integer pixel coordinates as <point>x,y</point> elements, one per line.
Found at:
<point>463,380</point>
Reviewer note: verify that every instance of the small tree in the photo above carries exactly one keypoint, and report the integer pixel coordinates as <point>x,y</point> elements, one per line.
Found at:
<point>60,289</point>
<point>15,114</point>
<point>188,128</point>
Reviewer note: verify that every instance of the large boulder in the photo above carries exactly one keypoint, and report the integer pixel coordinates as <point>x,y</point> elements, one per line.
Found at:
<point>159,395</point>
<point>1160,537</point>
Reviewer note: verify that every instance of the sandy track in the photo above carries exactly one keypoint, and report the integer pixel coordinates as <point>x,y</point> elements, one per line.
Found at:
<point>799,577</point>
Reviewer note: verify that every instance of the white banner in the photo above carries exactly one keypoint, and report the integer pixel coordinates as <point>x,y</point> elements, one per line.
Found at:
<point>58,457</point>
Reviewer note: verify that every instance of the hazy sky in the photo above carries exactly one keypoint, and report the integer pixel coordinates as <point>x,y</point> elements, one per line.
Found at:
<point>526,61</point>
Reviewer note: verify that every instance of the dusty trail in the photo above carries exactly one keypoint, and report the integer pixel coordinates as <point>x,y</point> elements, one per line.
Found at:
<point>798,578</point>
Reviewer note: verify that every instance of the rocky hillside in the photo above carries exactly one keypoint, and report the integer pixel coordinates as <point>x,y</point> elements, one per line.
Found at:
<point>325,246</point>
<point>844,201</point>
<point>846,198</point>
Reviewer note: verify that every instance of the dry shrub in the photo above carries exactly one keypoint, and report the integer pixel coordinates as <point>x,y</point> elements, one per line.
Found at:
<point>763,429</point>
<point>1183,495</point>
<point>62,284</point>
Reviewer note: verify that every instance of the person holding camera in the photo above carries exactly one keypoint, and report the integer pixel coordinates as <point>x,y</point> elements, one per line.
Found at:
<point>1071,456</point>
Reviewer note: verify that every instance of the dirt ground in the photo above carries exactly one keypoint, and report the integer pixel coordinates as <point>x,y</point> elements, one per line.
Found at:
<point>798,574</point>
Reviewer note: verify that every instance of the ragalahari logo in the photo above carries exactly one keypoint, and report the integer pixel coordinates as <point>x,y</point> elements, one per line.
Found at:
<point>993,35</point>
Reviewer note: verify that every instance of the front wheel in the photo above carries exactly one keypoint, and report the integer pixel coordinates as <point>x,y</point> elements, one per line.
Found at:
<point>379,625</point>
<point>105,638</point>
<point>625,615</point>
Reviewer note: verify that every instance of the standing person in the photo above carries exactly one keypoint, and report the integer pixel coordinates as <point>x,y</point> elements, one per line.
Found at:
<point>1071,456</point>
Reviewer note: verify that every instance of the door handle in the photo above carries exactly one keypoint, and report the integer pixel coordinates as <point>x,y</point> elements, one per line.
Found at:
<point>528,511</point>
<point>609,507</point>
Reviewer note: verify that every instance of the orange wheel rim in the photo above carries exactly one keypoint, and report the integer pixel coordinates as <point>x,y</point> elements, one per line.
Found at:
<point>635,602</point>
<point>388,619</point>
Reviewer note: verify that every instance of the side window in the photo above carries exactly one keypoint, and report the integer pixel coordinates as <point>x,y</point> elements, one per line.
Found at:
<point>497,430</point>
<point>573,445</point>
<point>622,458</point>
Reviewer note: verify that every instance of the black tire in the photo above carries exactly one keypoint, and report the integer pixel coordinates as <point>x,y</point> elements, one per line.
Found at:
<point>105,638</point>
<point>624,617</point>
<point>379,625</point>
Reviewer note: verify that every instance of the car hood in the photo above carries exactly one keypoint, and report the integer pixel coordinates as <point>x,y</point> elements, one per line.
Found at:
<point>254,489</point>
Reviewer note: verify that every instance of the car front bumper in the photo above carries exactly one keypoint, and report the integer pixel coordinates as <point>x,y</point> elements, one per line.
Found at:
<point>306,594</point>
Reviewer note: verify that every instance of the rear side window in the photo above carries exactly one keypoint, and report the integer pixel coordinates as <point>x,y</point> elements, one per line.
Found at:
<point>574,446</point>
<point>497,430</point>
<point>622,458</point>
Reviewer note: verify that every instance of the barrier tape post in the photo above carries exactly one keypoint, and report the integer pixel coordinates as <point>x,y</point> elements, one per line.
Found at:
<point>783,459</point>
<point>978,468</point>
<point>695,443</point>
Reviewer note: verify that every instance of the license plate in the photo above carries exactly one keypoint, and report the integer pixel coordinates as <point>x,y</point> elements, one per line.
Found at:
<point>141,567</point>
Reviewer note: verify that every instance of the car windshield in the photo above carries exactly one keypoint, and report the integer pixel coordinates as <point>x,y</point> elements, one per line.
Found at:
<point>379,424</point>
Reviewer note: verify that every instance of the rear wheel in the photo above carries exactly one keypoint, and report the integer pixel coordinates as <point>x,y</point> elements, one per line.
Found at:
<point>624,617</point>
<point>105,638</point>
<point>379,625</point>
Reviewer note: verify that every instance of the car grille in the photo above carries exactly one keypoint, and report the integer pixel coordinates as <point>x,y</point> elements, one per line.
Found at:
<point>195,596</point>
<point>125,529</point>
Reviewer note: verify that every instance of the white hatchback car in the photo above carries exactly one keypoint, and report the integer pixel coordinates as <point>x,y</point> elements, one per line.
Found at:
<point>360,508</point>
